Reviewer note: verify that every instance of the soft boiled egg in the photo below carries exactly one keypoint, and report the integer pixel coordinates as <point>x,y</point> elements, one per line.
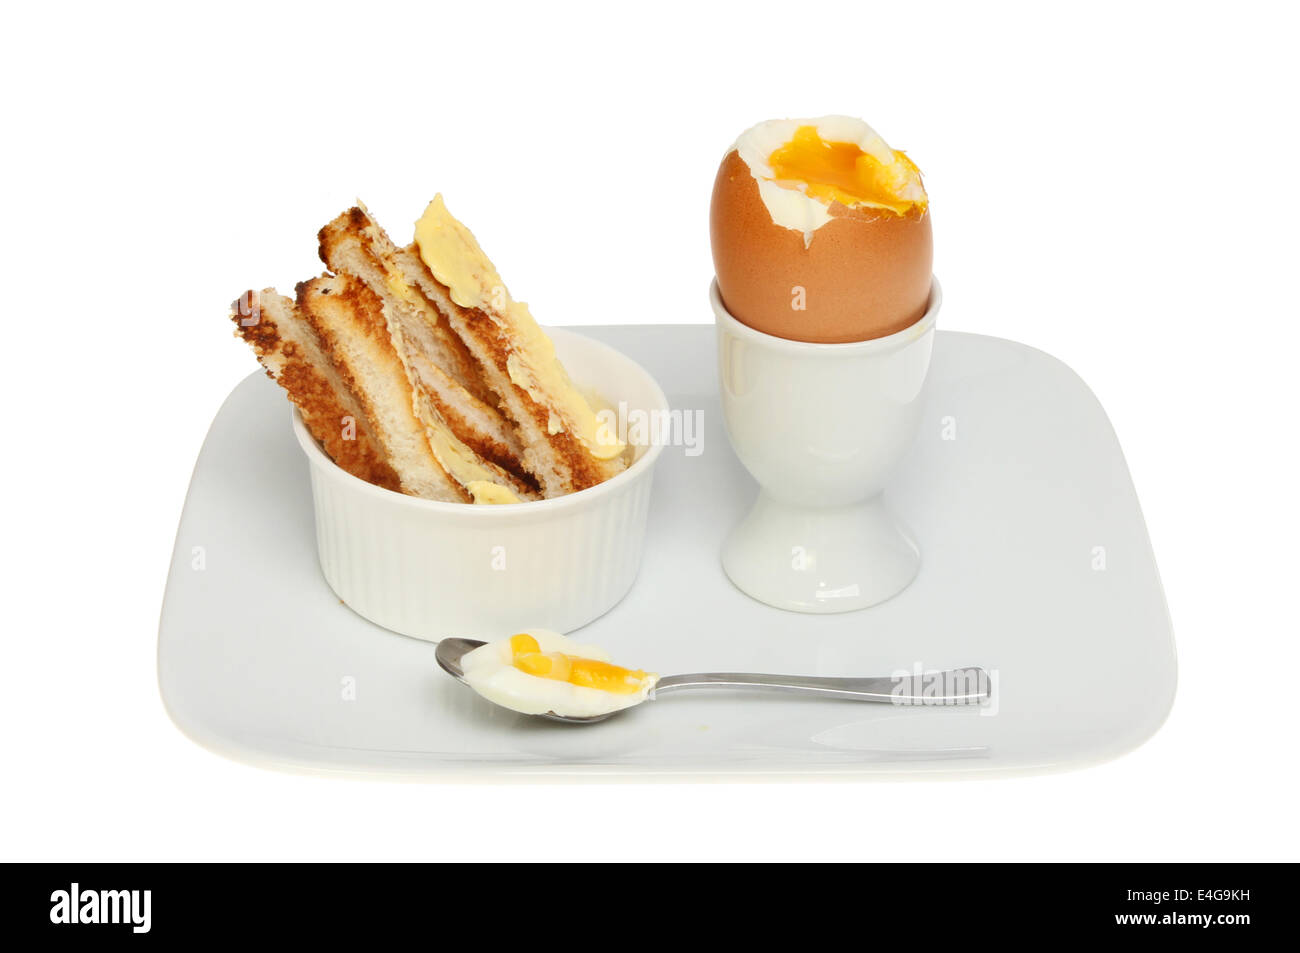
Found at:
<point>821,232</point>
<point>539,671</point>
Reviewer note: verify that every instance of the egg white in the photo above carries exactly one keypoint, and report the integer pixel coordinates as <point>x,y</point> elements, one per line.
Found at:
<point>490,671</point>
<point>791,208</point>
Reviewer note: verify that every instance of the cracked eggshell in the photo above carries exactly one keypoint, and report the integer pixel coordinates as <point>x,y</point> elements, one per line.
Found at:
<point>864,272</point>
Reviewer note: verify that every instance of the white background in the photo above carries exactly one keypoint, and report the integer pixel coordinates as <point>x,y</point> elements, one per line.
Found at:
<point>1116,185</point>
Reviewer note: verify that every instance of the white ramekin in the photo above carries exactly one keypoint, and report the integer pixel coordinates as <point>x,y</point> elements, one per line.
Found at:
<point>429,570</point>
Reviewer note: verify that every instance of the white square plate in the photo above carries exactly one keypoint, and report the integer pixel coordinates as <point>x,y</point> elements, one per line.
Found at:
<point>1035,565</point>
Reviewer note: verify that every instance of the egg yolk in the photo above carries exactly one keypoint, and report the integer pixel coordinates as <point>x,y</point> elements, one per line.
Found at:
<point>528,657</point>
<point>842,172</point>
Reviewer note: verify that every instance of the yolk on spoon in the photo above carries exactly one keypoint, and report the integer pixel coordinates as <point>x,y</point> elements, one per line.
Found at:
<point>528,657</point>
<point>841,172</point>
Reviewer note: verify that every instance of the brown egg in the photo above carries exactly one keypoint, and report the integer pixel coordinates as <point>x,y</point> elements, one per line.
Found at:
<point>861,272</point>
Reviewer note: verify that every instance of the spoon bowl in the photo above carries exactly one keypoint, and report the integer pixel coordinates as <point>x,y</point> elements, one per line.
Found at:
<point>959,686</point>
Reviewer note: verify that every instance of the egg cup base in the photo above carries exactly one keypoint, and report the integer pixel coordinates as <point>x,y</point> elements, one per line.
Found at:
<point>821,559</point>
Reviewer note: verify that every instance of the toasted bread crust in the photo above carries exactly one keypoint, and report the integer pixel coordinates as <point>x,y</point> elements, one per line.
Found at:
<point>353,333</point>
<point>493,344</point>
<point>289,349</point>
<point>357,229</point>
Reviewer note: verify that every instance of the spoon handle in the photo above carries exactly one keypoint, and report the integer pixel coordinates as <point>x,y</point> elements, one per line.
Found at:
<point>959,686</point>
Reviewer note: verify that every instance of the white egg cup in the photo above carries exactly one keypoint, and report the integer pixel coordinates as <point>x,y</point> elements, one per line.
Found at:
<point>821,427</point>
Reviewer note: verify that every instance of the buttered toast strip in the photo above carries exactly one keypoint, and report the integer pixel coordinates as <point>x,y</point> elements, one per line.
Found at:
<point>475,441</point>
<point>350,324</point>
<point>289,348</point>
<point>355,243</point>
<point>564,445</point>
